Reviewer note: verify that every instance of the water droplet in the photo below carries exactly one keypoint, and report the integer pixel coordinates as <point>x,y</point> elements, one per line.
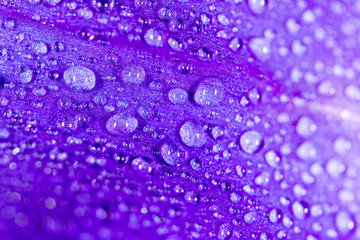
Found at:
<point>225,231</point>
<point>9,24</point>
<point>257,6</point>
<point>171,154</point>
<point>80,78</point>
<point>210,92</point>
<point>272,158</point>
<point>344,222</point>
<point>120,124</point>
<point>326,88</point>
<point>254,96</point>
<point>141,165</point>
<point>260,47</point>
<point>275,215</point>
<point>133,74</point>
<point>40,48</point>
<point>26,75</point>
<point>192,135</point>
<point>341,145</point>
<point>251,141</point>
<point>306,151</point>
<point>235,197</point>
<point>300,209</point>
<point>4,133</point>
<point>352,92</point>
<point>235,44</point>
<point>250,217</point>
<point>178,96</point>
<point>299,191</point>
<point>102,5</point>
<point>262,179</point>
<point>305,127</point>
<point>53,3</point>
<point>153,38</point>
<point>335,167</point>
<point>195,164</point>
<point>223,19</point>
<point>217,132</point>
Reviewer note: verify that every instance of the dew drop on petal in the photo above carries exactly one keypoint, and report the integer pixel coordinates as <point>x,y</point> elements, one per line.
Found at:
<point>251,141</point>
<point>261,48</point>
<point>139,164</point>
<point>120,124</point>
<point>344,222</point>
<point>80,78</point>
<point>192,134</point>
<point>305,127</point>
<point>178,96</point>
<point>171,154</point>
<point>133,74</point>
<point>210,92</point>
<point>224,232</point>
<point>153,38</point>
<point>300,210</point>
<point>257,6</point>
<point>271,158</point>
<point>306,151</point>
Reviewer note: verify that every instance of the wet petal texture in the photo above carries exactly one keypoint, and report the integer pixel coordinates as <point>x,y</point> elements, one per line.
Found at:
<point>181,119</point>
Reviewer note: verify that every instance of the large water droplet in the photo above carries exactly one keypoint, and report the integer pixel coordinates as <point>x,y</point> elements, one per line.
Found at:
<point>80,78</point>
<point>257,6</point>
<point>178,96</point>
<point>26,75</point>
<point>344,222</point>
<point>121,124</point>
<point>250,217</point>
<point>133,74</point>
<point>171,154</point>
<point>225,231</point>
<point>305,127</point>
<point>192,135</point>
<point>260,47</point>
<point>300,210</point>
<point>40,48</point>
<point>275,215</point>
<point>306,151</point>
<point>272,158</point>
<point>335,167</point>
<point>141,165</point>
<point>210,92</point>
<point>153,38</point>
<point>251,141</point>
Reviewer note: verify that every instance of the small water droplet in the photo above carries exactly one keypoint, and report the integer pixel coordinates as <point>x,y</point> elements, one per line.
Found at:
<point>335,167</point>
<point>275,215</point>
